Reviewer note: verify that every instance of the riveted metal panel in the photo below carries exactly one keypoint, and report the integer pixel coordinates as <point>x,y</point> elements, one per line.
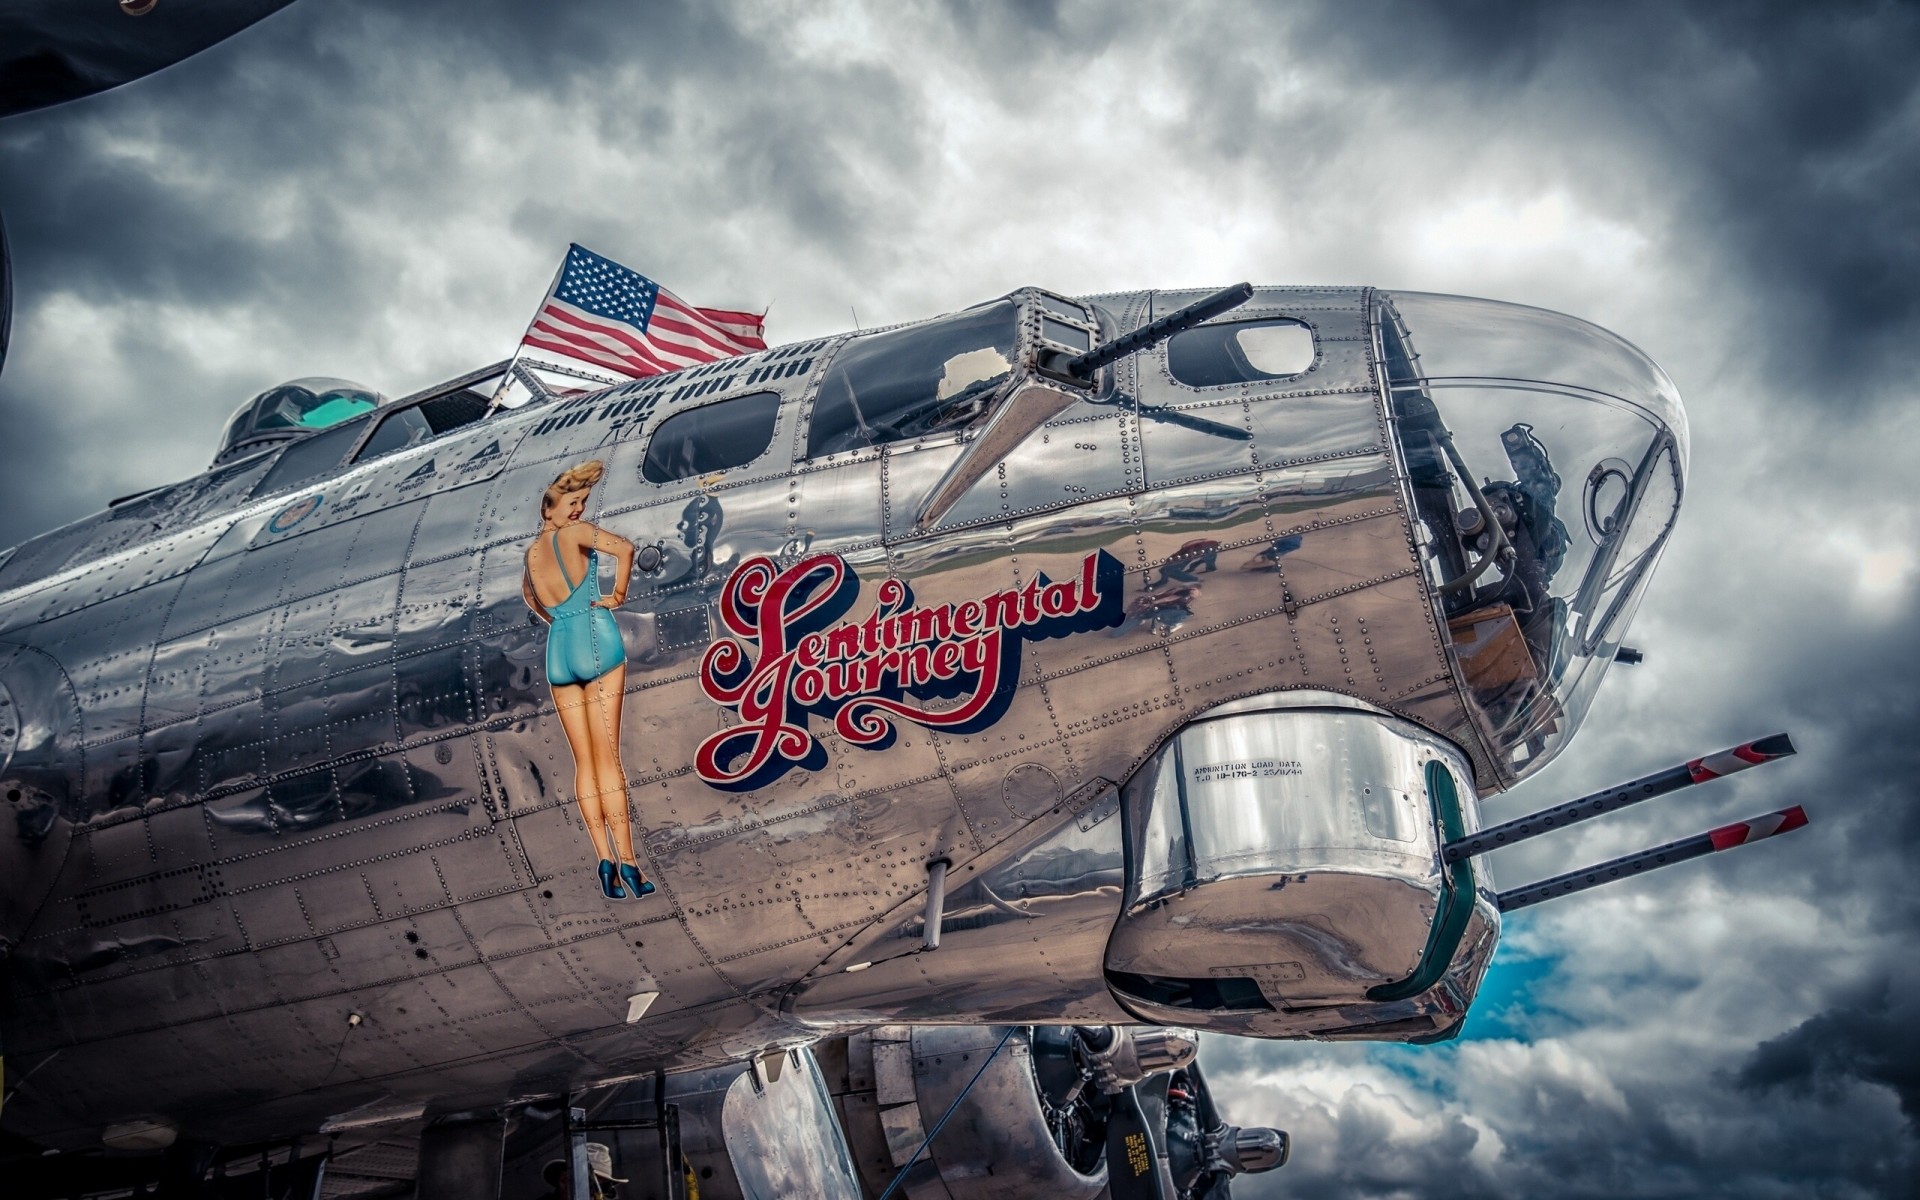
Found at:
<point>272,914</point>
<point>176,680</point>
<point>111,854</point>
<point>1021,936</point>
<point>89,581</point>
<point>836,503</point>
<point>1087,452</point>
<point>177,838</point>
<point>552,832</point>
<point>893,1074</point>
<point>505,925</point>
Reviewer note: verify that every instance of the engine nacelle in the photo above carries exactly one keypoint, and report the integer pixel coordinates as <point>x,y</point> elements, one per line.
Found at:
<point>891,1085</point>
<point>1036,1122</point>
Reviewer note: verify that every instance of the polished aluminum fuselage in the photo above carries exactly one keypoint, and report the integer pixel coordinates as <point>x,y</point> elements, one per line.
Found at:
<point>282,771</point>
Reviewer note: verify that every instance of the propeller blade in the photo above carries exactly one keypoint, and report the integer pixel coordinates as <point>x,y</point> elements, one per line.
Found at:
<point>1133,1171</point>
<point>1203,1105</point>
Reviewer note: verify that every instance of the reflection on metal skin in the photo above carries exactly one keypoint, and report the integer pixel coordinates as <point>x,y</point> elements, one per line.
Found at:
<point>1010,425</point>
<point>38,722</point>
<point>1065,889</point>
<point>783,1140</point>
<point>1284,863</point>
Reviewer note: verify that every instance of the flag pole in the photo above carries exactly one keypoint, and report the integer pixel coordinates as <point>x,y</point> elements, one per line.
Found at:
<point>513,364</point>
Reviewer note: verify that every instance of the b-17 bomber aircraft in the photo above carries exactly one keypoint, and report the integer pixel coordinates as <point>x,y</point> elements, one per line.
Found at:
<point>859,768</point>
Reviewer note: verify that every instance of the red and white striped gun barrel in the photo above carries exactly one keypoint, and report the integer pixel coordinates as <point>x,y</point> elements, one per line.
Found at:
<point>1687,774</point>
<point>1726,837</point>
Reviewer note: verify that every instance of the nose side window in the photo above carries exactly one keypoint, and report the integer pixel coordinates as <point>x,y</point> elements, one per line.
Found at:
<point>713,437</point>
<point>1240,352</point>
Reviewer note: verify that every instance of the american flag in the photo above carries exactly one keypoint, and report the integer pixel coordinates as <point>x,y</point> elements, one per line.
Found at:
<point>609,317</point>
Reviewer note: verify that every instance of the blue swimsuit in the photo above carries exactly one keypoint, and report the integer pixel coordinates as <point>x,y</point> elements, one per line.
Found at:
<point>583,643</point>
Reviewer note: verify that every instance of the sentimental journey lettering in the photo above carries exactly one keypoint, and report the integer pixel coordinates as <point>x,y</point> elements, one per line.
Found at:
<point>951,667</point>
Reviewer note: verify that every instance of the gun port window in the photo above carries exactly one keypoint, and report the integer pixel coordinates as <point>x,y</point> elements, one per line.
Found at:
<point>1240,352</point>
<point>714,437</point>
<point>912,382</point>
<point>1063,334</point>
<point>1064,308</point>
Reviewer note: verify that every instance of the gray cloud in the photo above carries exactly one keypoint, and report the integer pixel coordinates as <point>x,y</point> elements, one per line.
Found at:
<point>1868,1040</point>
<point>1779,134</point>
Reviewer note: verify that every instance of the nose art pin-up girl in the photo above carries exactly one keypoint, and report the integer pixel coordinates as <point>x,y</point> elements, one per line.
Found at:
<point>586,664</point>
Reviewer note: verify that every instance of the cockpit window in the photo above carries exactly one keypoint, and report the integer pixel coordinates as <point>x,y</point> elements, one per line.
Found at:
<point>912,382</point>
<point>1240,352</point>
<point>431,417</point>
<point>312,456</point>
<point>396,431</point>
<point>1543,501</point>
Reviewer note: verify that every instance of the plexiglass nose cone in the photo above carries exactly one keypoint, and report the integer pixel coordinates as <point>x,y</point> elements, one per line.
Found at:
<point>1545,459</point>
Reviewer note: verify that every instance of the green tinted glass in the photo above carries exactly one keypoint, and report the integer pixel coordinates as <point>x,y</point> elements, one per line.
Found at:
<point>334,409</point>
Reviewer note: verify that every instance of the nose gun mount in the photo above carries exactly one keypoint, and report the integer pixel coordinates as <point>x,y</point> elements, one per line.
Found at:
<point>1055,382</point>
<point>1078,370</point>
<point>1688,774</point>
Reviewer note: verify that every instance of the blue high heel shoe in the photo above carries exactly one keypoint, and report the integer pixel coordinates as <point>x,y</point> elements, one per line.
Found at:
<point>640,887</point>
<point>609,883</point>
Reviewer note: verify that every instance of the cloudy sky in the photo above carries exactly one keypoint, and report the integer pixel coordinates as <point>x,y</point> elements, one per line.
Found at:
<point>383,191</point>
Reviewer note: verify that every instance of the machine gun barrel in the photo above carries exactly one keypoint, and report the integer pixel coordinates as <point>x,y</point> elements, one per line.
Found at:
<point>1699,770</point>
<point>1726,837</point>
<point>1084,365</point>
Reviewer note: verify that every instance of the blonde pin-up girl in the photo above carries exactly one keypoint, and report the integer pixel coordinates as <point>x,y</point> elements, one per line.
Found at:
<point>586,664</point>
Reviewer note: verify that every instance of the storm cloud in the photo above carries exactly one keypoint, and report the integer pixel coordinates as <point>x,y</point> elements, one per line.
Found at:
<point>382,192</point>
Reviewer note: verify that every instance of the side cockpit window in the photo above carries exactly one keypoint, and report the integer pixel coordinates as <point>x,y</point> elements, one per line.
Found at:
<point>311,456</point>
<point>908,383</point>
<point>713,437</point>
<point>1240,352</point>
<point>396,431</point>
<point>418,422</point>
